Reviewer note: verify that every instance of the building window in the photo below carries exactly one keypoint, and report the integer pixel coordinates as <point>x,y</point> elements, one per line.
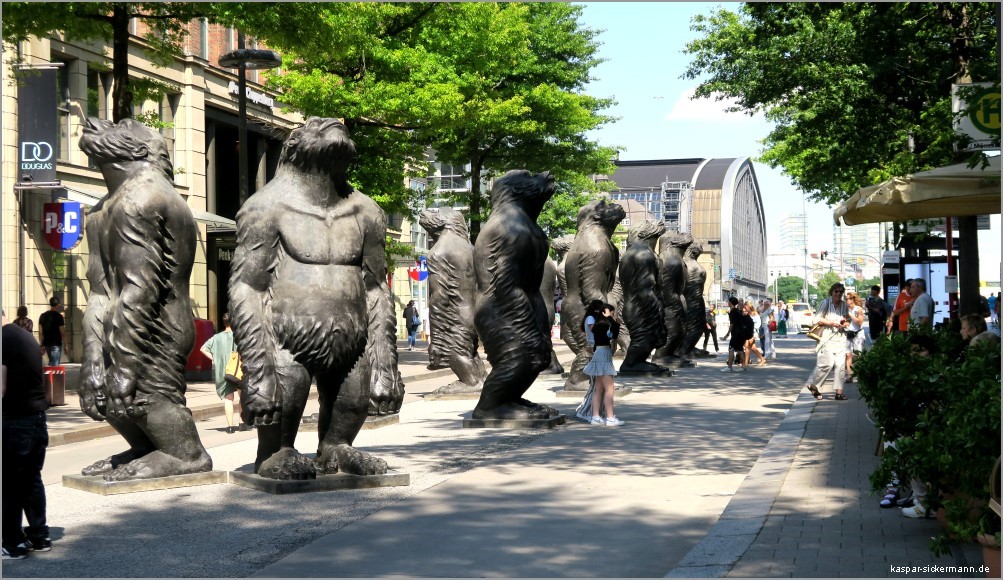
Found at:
<point>63,109</point>
<point>452,178</point>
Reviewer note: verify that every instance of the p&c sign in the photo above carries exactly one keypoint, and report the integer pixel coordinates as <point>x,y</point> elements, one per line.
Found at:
<point>63,224</point>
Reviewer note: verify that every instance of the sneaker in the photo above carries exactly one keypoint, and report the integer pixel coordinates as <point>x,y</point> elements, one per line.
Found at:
<point>613,422</point>
<point>598,421</point>
<point>916,511</point>
<point>727,370</point>
<point>39,544</point>
<point>741,370</point>
<point>18,552</point>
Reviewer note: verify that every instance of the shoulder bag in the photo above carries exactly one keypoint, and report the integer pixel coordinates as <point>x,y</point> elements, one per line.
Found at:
<point>234,372</point>
<point>815,332</point>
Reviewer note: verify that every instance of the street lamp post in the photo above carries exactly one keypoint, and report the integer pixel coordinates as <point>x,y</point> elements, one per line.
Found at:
<point>245,59</point>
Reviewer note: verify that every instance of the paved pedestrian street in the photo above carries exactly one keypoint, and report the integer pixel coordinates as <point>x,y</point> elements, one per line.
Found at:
<point>714,474</point>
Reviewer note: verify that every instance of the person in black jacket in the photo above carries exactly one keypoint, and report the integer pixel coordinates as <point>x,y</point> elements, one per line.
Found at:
<point>601,369</point>
<point>736,344</point>
<point>412,321</point>
<point>25,437</point>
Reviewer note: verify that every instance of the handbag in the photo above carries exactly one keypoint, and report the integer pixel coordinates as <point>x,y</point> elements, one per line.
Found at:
<point>773,326</point>
<point>234,371</point>
<point>815,332</point>
<point>415,320</point>
<point>851,334</point>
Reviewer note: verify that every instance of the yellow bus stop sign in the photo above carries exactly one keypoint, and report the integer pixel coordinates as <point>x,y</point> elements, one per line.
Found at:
<point>985,111</point>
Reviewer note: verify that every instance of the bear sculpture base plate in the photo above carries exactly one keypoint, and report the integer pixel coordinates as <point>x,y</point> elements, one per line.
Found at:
<point>321,483</point>
<point>618,392</point>
<point>97,484</point>
<point>548,423</point>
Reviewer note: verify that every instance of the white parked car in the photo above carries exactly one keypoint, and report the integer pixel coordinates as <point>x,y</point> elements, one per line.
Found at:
<point>801,317</point>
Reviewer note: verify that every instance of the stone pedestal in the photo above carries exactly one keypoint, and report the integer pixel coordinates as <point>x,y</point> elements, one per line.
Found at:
<point>321,483</point>
<point>97,484</point>
<point>514,423</point>
<point>309,424</point>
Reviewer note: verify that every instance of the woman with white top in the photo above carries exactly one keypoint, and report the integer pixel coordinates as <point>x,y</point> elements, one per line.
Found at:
<point>854,334</point>
<point>765,314</point>
<point>593,312</point>
<point>833,315</point>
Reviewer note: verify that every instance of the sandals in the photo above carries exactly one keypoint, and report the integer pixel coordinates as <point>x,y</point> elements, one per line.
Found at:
<point>814,392</point>
<point>840,397</point>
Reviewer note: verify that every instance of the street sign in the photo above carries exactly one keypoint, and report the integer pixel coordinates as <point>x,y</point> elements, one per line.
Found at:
<point>850,281</point>
<point>418,272</point>
<point>978,111</point>
<point>890,257</point>
<point>731,274</point>
<point>63,224</point>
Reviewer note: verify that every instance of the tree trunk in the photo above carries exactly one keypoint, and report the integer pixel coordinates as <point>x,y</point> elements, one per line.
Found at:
<point>475,196</point>
<point>121,95</point>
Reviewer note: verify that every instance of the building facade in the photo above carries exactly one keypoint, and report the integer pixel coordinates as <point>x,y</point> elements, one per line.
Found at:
<point>197,109</point>
<point>794,233</point>
<point>718,202</point>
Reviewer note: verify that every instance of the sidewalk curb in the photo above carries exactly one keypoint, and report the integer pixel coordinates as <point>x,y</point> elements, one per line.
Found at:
<point>746,513</point>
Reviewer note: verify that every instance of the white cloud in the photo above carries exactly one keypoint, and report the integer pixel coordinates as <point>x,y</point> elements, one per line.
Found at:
<point>686,108</point>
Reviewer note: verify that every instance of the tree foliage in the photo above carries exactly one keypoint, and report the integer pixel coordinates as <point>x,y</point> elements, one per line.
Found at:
<point>848,85</point>
<point>789,288</point>
<point>495,85</point>
<point>108,21</point>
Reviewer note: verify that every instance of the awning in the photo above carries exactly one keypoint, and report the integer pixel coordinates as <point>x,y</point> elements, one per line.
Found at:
<point>955,190</point>
<point>214,223</point>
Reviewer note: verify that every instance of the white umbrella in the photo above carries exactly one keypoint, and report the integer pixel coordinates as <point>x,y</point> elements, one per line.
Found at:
<point>955,190</point>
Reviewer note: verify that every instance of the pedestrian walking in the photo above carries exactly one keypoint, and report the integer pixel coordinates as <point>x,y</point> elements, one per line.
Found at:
<point>52,331</point>
<point>411,322</point>
<point>593,312</point>
<point>767,326</point>
<point>833,316</point>
<point>877,312</point>
<point>736,344</point>
<point>25,437</point>
<point>22,319</point>
<point>751,321</point>
<point>710,329</point>
<point>605,332</point>
<point>899,319</point>
<point>221,350</point>
<point>782,315</point>
<point>855,332</point>
<point>922,308</point>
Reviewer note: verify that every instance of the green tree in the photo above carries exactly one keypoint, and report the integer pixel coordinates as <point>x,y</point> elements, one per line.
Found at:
<point>789,288</point>
<point>495,85</point>
<point>858,92</point>
<point>107,21</point>
<point>821,288</point>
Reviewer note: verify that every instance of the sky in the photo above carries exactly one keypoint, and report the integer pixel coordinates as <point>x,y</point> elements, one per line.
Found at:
<point>642,43</point>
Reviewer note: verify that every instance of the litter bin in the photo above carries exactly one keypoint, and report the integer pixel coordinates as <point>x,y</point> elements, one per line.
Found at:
<point>55,385</point>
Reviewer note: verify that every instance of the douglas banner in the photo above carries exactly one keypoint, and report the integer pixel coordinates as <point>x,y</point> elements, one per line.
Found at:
<point>37,126</point>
